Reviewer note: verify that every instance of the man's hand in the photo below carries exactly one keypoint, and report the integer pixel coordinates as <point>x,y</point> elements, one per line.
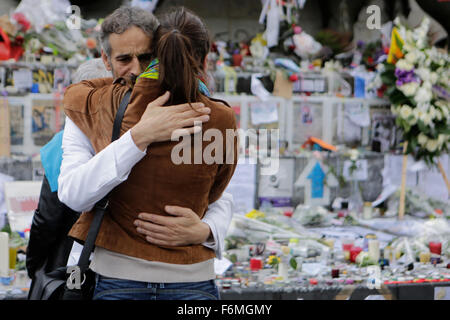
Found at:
<point>182,228</point>
<point>160,123</point>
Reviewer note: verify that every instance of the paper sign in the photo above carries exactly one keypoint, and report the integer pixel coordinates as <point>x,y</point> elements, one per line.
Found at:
<point>307,85</point>
<point>360,87</point>
<point>283,87</point>
<point>431,181</point>
<point>359,173</point>
<point>3,178</point>
<point>243,187</point>
<point>279,185</point>
<point>264,112</point>
<point>23,79</point>
<point>319,85</point>
<point>222,265</point>
<point>5,139</point>
<point>358,113</point>
<point>22,199</point>
<point>442,293</point>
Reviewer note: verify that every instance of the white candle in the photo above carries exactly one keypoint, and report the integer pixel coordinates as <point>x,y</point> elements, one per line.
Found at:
<point>367,211</point>
<point>374,250</point>
<point>4,254</point>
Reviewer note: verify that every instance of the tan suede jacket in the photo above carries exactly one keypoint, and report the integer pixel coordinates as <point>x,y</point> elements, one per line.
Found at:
<point>155,181</point>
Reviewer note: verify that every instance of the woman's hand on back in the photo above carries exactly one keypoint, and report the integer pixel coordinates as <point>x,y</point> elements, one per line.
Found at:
<point>159,123</point>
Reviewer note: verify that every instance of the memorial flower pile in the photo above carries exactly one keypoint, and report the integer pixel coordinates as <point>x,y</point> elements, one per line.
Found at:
<point>416,76</point>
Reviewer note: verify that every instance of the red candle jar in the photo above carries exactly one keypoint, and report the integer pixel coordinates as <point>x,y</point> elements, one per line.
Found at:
<point>347,246</point>
<point>354,253</point>
<point>435,247</point>
<point>255,264</point>
<point>335,273</point>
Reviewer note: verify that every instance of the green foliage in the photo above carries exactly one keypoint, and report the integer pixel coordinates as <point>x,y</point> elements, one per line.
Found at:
<point>293,263</point>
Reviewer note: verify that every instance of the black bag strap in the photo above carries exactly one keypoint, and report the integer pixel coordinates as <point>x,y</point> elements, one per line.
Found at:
<point>101,206</point>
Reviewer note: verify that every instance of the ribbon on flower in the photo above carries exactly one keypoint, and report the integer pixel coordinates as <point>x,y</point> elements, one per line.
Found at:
<point>395,50</point>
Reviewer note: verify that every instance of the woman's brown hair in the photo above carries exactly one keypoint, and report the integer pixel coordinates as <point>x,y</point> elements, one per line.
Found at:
<point>181,44</point>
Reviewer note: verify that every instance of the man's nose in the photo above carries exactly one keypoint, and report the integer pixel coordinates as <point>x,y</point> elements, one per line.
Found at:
<point>135,67</point>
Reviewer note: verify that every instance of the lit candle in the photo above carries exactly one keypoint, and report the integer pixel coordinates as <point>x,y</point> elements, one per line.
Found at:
<point>4,254</point>
<point>374,250</point>
<point>367,211</point>
<point>424,257</point>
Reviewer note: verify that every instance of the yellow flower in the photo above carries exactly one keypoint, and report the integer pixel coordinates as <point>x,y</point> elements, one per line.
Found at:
<point>255,214</point>
<point>273,260</point>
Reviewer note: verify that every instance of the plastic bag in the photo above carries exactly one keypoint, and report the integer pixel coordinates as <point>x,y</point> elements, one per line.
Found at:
<point>46,12</point>
<point>310,216</point>
<point>305,45</point>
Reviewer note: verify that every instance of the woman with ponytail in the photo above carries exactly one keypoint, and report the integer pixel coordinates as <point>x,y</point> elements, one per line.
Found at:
<point>181,173</point>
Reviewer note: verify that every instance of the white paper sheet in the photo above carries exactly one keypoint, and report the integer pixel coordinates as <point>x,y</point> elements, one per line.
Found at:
<point>360,173</point>
<point>243,186</point>
<point>432,183</point>
<point>222,265</point>
<point>22,198</point>
<point>280,184</point>
<point>392,173</point>
<point>264,112</point>
<point>358,113</point>
<point>23,79</point>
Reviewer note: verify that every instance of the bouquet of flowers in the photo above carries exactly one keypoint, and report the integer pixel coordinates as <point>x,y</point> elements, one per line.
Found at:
<point>416,77</point>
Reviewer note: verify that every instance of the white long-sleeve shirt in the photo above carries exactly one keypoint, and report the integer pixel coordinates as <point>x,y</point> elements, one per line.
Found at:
<point>86,177</point>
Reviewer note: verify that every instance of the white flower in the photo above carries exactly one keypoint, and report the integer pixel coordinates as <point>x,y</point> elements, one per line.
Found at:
<point>434,77</point>
<point>405,111</point>
<point>408,47</point>
<point>438,115</point>
<point>426,119</point>
<point>422,139</point>
<point>427,85</point>
<point>423,95</point>
<point>354,154</point>
<point>394,110</point>
<point>411,57</point>
<point>441,140</point>
<point>433,112</point>
<point>423,73</point>
<point>412,121</point>
<point>404,65</point>
<point>432,145</point>
<point>444,111</point>
<point>380,68</point>
<point>418,113</point>
<point>409,89</point>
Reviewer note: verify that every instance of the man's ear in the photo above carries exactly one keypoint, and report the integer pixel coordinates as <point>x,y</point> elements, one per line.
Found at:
<point>106,61</point>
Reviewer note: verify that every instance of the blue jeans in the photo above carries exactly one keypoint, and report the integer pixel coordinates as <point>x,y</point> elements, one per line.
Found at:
<point>118,289</point>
